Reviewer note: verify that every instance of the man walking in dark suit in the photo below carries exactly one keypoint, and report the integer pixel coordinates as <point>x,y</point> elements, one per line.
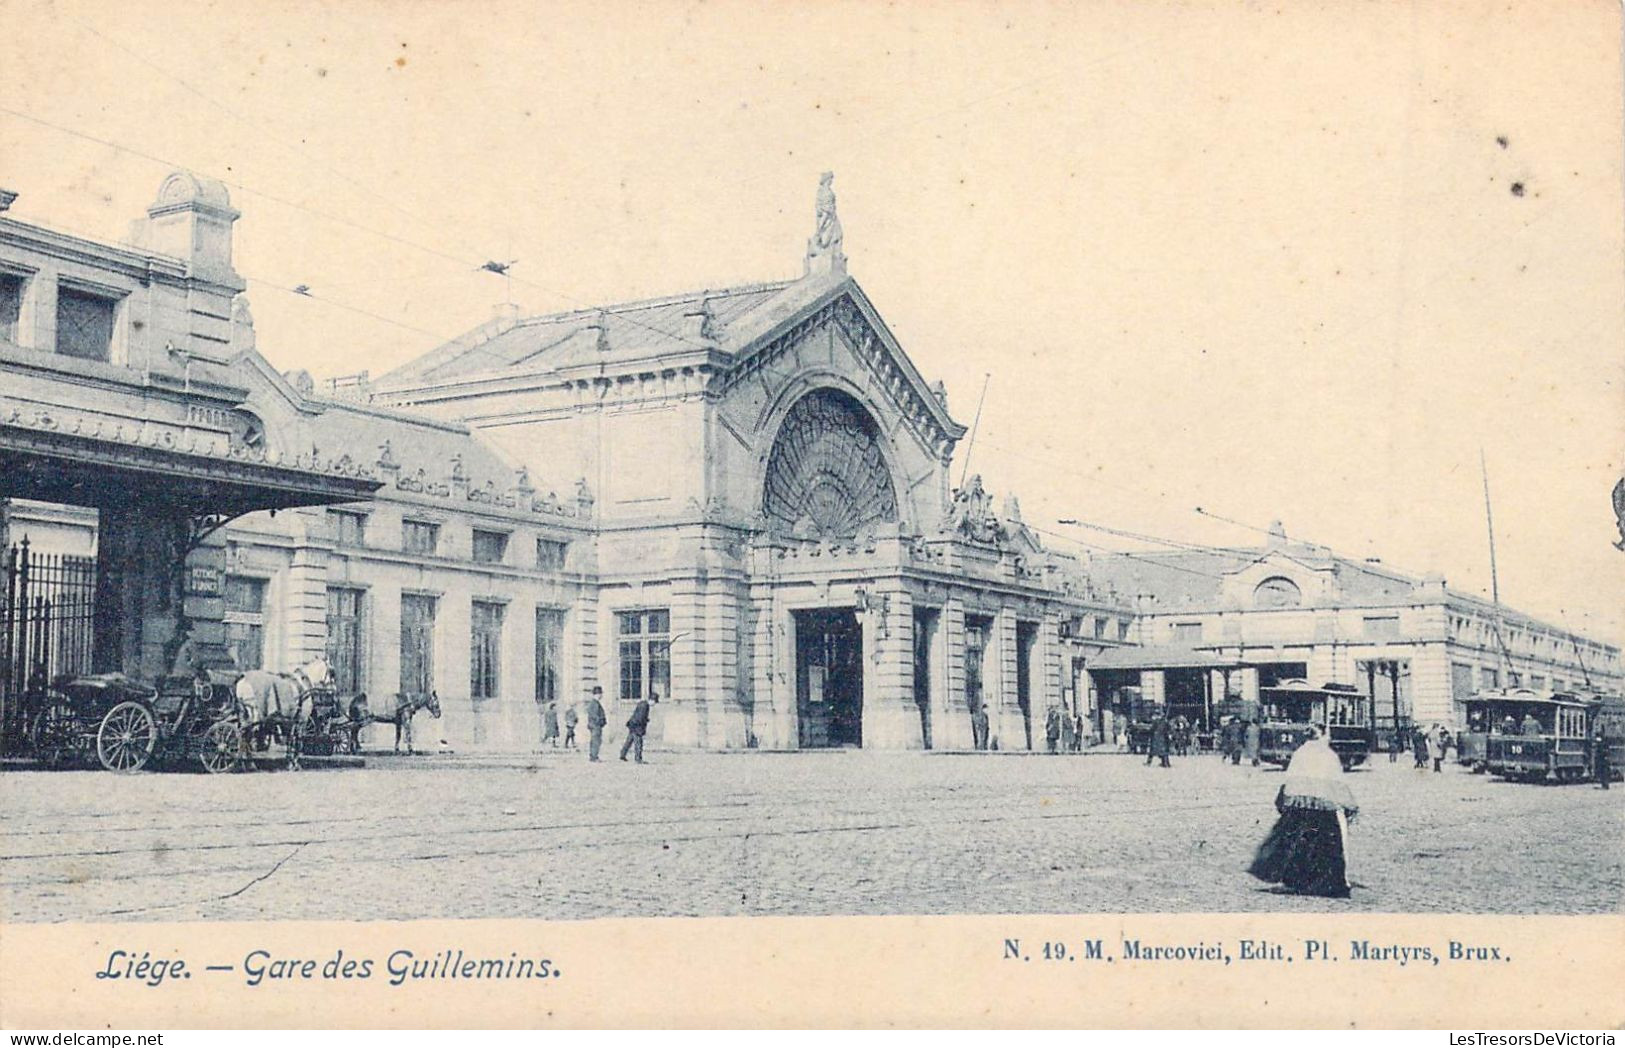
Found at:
<point>595,723</point>
<point>636,726</point>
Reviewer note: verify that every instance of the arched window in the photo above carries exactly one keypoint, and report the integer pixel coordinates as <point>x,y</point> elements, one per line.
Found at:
<point>1277,592</point>
<point>826,476</point>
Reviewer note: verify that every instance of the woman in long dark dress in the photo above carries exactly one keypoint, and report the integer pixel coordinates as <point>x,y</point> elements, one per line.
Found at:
<point>1306,852</point>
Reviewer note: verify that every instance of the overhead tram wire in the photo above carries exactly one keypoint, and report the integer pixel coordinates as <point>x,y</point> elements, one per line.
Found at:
<point>1092,547</point>
<point>313,296</point>
<point>262,125</point>
<point>337,219</point>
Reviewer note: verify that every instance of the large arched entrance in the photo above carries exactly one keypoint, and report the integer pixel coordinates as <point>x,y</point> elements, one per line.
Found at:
<point>827,480</point>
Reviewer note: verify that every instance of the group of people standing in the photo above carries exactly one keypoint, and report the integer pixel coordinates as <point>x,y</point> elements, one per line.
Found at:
<point>591,711</point>
<point>1063,731</point>
<point>1433,744</point>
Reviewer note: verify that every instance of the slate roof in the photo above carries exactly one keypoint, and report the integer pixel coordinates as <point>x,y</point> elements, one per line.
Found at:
<point>632,331</point>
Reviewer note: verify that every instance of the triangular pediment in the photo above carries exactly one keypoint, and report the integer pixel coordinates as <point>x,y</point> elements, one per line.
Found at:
<point>840,304</point>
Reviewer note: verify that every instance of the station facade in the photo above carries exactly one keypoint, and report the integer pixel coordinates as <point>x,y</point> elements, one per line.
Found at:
<point>738,501</point>
<point>1218,624</point>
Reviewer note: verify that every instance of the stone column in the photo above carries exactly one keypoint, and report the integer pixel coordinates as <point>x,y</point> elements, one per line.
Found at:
<point>891,719</point>
<point>304,603</point>
<point>690,679</point>
<point>1008,725</point>
<point>952,727</point>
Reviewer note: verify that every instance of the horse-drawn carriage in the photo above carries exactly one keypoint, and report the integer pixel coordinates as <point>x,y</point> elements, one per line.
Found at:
<point>126,724</point>
<point>221,718</point>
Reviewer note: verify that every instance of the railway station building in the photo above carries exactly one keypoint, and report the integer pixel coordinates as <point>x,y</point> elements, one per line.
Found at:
<point>737,500</point>
<point>1217,624</point>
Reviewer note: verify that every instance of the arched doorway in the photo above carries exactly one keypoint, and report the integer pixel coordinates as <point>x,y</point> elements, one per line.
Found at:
<point>827,480</point>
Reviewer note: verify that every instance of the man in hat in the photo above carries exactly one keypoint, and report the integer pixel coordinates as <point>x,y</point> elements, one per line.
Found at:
<point>1599,745</point>
<point>637,726</point>
<point>1052,728</point>
<point>595,722</point>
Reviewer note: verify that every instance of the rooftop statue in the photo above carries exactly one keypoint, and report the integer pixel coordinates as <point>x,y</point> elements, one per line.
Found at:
<point>824,253</point>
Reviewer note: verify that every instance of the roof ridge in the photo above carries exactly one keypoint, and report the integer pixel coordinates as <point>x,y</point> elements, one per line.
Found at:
<point>661,300</point>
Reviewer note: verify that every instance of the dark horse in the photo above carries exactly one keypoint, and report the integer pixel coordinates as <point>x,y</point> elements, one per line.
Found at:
<point>406,707</point>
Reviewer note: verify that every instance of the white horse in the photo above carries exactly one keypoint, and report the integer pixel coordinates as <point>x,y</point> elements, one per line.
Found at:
<point>276,702</point>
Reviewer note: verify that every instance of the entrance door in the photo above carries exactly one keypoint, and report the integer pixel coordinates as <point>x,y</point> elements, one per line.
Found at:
<point>1026,639</point>
<point>925,632</point>
<point>829,678</point>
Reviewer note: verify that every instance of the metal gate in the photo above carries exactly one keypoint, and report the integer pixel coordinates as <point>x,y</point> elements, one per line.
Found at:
<point>47,612</point>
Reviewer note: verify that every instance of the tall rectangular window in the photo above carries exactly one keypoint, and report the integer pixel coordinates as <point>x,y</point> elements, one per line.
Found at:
<point>349,528</point>
<point>417,643</point>
<point>346,638</point>
<point>1461,681</point>
<point>1491,678</point>
<point>419,536</point>
<point>11,305</point>
<point>644,644</point>
<point>490,547</point>
<point>84,324</point>
<point>485,650</point>
<point>551,553</point>
<point>978,631</point>
<point>245,621</point>
<point>549,653</point>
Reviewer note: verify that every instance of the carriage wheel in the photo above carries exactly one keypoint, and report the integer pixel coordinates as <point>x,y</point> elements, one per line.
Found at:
<point>221,748</point>
<point>127,737</point>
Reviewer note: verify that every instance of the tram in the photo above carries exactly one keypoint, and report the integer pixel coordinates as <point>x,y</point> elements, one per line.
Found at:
<point>1496,708</point>
<point>1292,706</point>
<point>1527,736</point>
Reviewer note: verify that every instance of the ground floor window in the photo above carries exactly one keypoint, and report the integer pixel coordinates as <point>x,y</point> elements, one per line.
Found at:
<point>549,653</point>
<point>644,647</point>
<point>245,621</point>
<point>485,650</point>
<point>417,643</point>
<point>345,651</point>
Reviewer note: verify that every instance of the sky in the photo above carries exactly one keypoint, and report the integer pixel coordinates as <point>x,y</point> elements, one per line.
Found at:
<point>1305,262</point>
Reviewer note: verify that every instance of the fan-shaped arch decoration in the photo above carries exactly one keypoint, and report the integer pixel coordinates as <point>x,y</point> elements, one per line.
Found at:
<point>826,476</point>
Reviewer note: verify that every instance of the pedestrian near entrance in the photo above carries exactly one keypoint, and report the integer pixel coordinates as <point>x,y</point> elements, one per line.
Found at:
<point>1232,740</point>
<point>1159,741</point>
<point>1077,733</point>
<point>978,727</point>
<point>595,723</point>
<point>1419,746</point>
<point>1066,732</point>
<point>1252,737</point>
<point>1307,850</point>
<point>1439,743</point>
<point>1052,728</point>
<point>570,718</point>
<point>636,726</point>
<point>550,724</point>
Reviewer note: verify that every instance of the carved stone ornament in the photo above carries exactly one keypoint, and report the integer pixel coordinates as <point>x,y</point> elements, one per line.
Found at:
<point>826,476</point>
<point>971,514</point>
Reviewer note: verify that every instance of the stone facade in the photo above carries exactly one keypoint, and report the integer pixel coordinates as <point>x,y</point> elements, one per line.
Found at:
<point>1295,609</point>
<point>746,511</point>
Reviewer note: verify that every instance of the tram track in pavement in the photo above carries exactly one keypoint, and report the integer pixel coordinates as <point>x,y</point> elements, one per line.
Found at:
<point>170,870</point>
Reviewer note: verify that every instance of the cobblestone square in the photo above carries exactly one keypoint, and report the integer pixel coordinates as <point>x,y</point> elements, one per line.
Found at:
<point>552,836</point>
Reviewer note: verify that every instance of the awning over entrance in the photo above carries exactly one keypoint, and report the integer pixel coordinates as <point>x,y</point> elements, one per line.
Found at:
<point>76,470</point>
